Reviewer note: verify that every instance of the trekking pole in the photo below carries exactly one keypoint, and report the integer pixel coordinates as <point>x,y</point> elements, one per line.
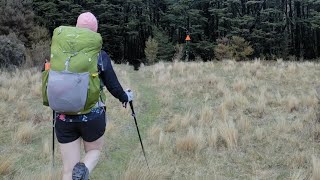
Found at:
<point>135,120</point>
<point>53,124</point>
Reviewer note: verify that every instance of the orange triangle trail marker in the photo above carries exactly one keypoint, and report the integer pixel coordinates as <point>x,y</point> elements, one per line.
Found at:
<point>188,38</point>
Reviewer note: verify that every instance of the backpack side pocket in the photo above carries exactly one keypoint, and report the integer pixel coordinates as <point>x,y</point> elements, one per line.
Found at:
<point>45,75</point>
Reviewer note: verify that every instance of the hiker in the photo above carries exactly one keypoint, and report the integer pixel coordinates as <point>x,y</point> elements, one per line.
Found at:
<point>70,128</point>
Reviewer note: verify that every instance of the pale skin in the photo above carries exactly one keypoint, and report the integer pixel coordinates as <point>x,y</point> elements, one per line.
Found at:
<point>71,155</point>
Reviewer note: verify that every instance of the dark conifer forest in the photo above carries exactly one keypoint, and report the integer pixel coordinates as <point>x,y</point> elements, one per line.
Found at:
<point>288,29</point>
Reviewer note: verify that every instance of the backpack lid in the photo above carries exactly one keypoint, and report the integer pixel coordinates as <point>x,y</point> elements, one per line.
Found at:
<point>75,49</point>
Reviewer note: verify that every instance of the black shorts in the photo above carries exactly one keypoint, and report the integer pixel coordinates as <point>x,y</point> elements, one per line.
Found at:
<point>89,131</point>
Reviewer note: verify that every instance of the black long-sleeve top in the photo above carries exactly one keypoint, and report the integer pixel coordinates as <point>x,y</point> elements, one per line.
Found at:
<point>109,78</point>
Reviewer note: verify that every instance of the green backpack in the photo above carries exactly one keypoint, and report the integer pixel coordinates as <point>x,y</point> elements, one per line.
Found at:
<point>72,84</point>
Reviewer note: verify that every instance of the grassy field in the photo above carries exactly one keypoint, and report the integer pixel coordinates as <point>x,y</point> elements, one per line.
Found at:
<point>214,120</point>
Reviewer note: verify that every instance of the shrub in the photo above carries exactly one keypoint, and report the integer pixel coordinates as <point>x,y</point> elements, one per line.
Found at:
<point>12,51</point>
<point>17,17</point>
<point>151,50</point>
<point>38,53</point>
<point>236,47</point>
<point>166,48</point>
<point>222,52</point>
<point>241,49</point>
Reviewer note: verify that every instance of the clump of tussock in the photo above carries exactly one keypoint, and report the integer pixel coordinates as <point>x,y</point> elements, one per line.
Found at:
<point>297,160</point>
<point>46,148</point>
<point>310,101</point>
<point>259,133</point>
<point>297,125</point>
<point>8,95</point>
<point>281,74</point>
<point>158,69</point>
<point>229,134</point>
<point>23,111</point>
<point>261,103</point>
<point>6,164</point>
<point>210,80</point>
<point>46,173</point>
<point>191,142</point>
<point>25,133</point>
<point>36,89</point>
<point>315,168</point>
<point>298,175</point>
<point>282,125</point>
<point>228,100</point>
<point>206,97</point>
<point>187,92</point>
<point>240,100</point>
<point>240,85</point>
<point>255,67</point>
<point>110,126</point>
<point>178,67</point>
<point>280,60</point>
<point>259,74</point>
<point>229,65</point>
<point>162,139</point>
<point>243,123</point>
<point>292,68</point>
<point>154,133</point>
<point>3,107</point>
<point>221,88</point>
<point>186,119</point>
<point>292,103</point>
<point>213,137</point>
<point>139,171</point>
<point>173,124</point>
<point>317,90</point>
<point>224,111</point>
<point>206,115</point>
<point>165,97</point>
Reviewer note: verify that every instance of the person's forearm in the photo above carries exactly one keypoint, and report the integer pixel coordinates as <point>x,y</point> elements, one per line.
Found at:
<point>110,80</point>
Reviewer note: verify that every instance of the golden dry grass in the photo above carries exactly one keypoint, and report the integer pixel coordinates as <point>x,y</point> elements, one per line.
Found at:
<point>25,133</point>
<point>215,120</point>
<point>6,165</point>
<point>237,120</point>
<point>315,168</point>
<point>189,142</point>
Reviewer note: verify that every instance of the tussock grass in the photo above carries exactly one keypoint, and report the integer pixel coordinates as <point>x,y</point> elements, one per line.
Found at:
<point>154,133</point>
<point>46,149</point>
<point>315,168</point>
<point>46,174</point>
<point>141,172</point>
<point>240,85</point>
<point>213,137</point>
<point>6,164</point>
<point>206,115</point>
<point>189,143</point>
<point>208,120</point>
<point>186,119</point>
<point>173,124</point>
<point>243,124</point>
<point>25,133</point>
<point>258,107</point>
<point>229,134</point>
<point>298,175</point>
<point>162,139</point>
<point>292,103</point>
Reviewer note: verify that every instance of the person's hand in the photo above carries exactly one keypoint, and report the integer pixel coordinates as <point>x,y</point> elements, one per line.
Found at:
<point>130,97</point>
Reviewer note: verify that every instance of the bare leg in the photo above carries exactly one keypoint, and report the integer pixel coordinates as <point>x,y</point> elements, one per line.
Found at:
<point>93,151</point>
<point>70,156</point>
